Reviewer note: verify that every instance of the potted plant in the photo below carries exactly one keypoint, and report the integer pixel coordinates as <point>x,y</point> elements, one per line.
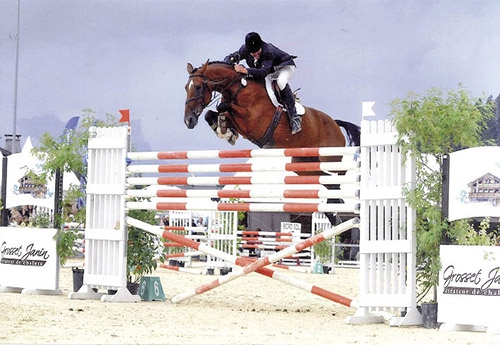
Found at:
<point>66,241</point>
<point>323,252</point>
<point>429,127</point>
<point>144,250</point>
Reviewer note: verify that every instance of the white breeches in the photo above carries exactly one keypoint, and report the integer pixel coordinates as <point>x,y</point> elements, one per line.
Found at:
<point>283,75</point>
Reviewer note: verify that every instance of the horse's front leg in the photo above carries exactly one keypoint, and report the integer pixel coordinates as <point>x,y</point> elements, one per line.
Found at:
<point>214,120</point>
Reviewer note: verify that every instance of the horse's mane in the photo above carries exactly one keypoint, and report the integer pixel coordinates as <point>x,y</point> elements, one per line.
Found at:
<point>213,63</point>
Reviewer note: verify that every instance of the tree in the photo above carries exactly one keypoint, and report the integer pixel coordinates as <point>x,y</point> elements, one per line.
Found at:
<point>66,153</point>
<point>492,132</point>
<point>429,127</point>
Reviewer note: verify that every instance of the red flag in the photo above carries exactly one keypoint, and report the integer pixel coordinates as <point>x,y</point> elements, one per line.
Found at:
<point>125,116</point>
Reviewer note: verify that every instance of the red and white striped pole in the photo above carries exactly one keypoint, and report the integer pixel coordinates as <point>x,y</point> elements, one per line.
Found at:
<point>267,260</point>
<point>246,153</point>
<point>249,266</point>
<point>243,262</point>
<point>242,167</point>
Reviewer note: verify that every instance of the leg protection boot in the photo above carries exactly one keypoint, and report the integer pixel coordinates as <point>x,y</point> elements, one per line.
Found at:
<point>212,119</point>
<point>288,99</point>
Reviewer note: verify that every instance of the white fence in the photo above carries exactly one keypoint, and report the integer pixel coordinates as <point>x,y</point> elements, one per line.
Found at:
<point>387,240</point>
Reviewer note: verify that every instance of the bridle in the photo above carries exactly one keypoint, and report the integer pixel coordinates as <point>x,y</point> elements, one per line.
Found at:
<point>199,94</point>
<point>205,86</point>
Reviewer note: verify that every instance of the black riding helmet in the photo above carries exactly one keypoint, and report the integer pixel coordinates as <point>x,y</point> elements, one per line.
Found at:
<point>253,42</point>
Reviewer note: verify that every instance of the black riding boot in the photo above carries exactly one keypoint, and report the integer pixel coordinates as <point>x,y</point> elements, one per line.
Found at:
<point>289,100</point>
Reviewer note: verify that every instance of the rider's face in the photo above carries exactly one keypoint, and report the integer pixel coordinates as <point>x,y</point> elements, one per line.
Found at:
<point>256,55</point>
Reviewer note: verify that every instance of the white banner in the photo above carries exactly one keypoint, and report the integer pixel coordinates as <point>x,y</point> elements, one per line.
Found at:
<point>293,228</point>
<point>28,258</point>
<point>469,285</point>
<point>290,227</point>
<point>474,183</point>
<point>20,189</point>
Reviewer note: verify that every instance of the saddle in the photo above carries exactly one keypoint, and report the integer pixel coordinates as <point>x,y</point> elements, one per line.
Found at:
<point>273,93</point>
<point>225,131</point>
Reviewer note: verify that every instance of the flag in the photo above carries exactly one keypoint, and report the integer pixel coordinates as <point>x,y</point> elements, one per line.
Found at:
<point>367,109</point>
<point>125,116</point>
<point>72,123</point>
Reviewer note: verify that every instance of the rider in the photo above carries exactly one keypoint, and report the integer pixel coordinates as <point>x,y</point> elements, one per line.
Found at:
<point>264,58</point>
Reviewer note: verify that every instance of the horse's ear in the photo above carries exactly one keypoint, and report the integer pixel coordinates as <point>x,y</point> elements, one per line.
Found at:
<point>204,67</point>
<point>190,68</point>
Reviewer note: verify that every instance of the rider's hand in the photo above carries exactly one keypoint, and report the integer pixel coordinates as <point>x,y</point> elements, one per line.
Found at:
<point>240,69</point>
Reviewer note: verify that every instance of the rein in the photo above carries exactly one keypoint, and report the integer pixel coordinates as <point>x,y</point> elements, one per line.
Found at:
<point>222,86</point>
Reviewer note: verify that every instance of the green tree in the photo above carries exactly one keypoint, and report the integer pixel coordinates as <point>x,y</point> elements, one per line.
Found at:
<point>430,126</point>
<point>66,154</point>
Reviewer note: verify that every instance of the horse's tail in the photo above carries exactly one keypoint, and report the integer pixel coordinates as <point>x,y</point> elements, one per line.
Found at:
<point>353,132</point>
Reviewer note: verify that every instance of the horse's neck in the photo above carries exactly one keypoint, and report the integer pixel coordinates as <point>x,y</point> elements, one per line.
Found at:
<point>222,76</point>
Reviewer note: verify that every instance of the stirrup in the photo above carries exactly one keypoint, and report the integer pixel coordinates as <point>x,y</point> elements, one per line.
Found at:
<point>296,125</point>
<point>297,130</point>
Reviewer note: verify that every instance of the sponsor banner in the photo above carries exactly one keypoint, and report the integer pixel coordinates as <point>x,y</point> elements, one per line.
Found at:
<point>469,285</point>
<point>290,227</point>
<point>474,183</point>
<point>28,258</point>
<point>21,189</point>
<point>294,228</point>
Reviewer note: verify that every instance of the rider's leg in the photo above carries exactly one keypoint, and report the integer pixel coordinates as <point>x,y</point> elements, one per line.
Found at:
<point>282,78</point>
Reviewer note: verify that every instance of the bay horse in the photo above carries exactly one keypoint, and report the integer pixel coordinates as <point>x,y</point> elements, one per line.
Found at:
<point>250,110</point>
<point>251,113</point>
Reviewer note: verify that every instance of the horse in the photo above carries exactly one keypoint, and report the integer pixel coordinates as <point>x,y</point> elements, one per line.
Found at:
<point>248,109</point>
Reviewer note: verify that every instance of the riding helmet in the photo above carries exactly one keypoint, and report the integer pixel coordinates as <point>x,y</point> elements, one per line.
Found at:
<point>253,42</point>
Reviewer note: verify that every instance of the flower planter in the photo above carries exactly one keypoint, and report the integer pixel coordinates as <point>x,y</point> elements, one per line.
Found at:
<point>225,270</point>
<point>77,278</point>
<point>133,288</point>
<point>429,315</point>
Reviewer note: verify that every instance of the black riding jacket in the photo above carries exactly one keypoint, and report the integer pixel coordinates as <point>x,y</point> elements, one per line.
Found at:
<point>271,60</point>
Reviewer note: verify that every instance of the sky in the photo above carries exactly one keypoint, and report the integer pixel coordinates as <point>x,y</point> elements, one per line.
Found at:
<point>109,55</point>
